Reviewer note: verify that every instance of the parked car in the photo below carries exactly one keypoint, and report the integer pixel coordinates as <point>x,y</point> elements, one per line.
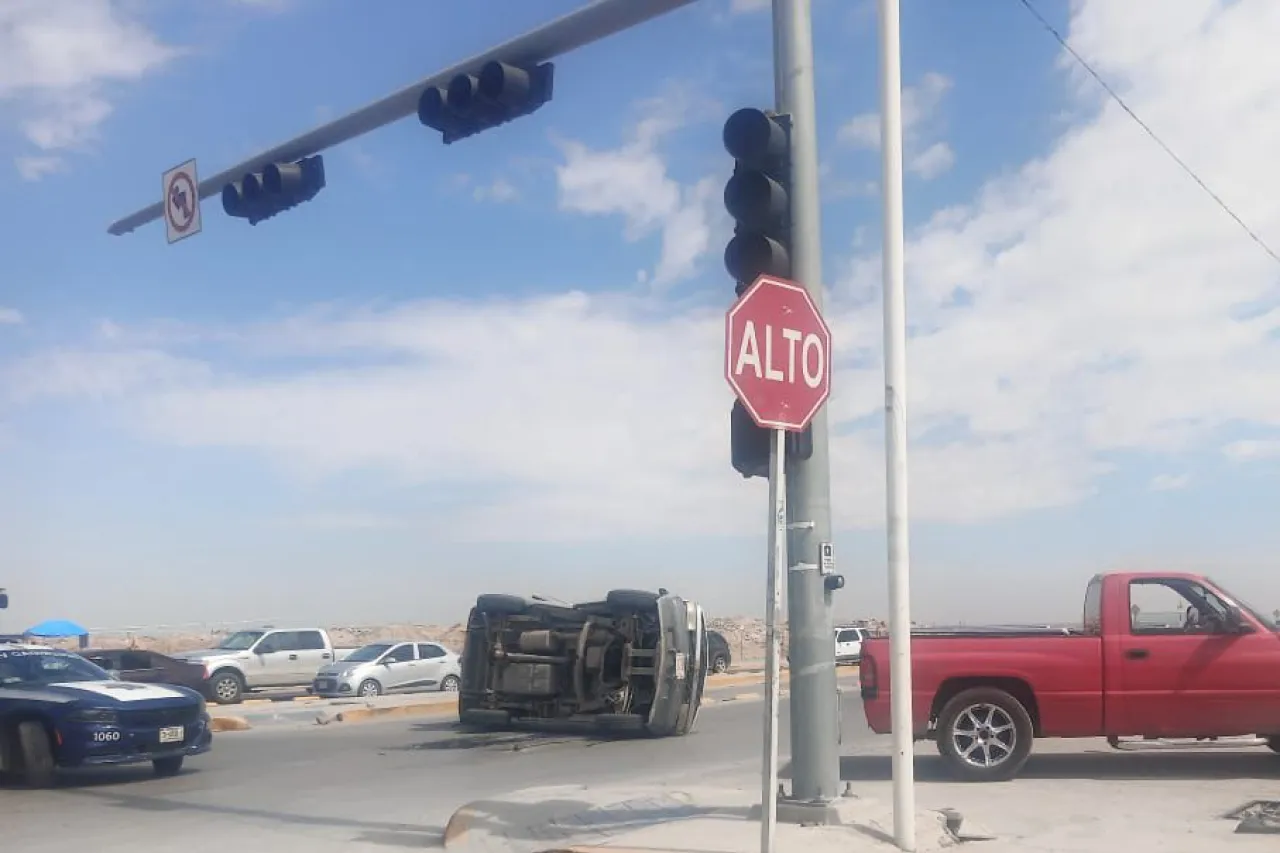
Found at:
<point>987,694</point>
<point>849,644</point>
<point>144,666</point>
<point>271,657</point>
<point>59,710</point>
<point>719,657</point>
<point>636,660</point>
<point>393,667</point>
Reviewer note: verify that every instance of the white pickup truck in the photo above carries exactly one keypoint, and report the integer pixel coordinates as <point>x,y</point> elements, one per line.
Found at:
<point>269,657</point>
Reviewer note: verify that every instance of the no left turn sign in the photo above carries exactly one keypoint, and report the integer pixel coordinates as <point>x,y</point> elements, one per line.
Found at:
<point>181,201</point>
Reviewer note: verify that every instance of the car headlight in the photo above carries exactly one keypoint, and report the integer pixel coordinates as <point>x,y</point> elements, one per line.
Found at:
<point>98,716</point>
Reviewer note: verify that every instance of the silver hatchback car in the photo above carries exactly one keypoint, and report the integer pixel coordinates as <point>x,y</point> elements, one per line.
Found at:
<point>390,667</point>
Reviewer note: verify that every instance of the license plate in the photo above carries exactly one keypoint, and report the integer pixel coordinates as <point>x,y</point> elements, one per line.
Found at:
<point>324,685</point>
<point>172,734</point>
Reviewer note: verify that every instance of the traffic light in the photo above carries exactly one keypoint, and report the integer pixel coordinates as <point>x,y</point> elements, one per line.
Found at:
<point>475,102</point>
<point>749,443</point>
<point>277,188</point>
<point>758,196</point>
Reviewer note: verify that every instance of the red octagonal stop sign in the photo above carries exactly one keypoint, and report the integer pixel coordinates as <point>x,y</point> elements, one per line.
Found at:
<point>777,354</point>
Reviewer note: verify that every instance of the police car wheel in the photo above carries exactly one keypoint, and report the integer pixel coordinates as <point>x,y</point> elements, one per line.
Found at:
<point>170,766</point>
<point>38,769</point>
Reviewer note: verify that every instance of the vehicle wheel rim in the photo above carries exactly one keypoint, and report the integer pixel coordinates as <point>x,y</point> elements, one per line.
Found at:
<point>450,685</point>
<point>719,665</point>
<point>369,690</point>
<point>984,736</point>
<point>226,689</point>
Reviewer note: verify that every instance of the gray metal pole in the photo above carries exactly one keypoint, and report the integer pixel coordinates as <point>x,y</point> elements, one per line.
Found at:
<point>815,722</point>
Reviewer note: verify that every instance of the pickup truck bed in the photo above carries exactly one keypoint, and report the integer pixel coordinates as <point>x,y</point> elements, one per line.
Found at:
<point>984,695</point>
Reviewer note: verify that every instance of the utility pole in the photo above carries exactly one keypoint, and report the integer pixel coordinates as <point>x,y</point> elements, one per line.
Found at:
<point>815,713</point>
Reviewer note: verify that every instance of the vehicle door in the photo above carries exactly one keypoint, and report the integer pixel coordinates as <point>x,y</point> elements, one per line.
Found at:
<point>1184,671</point>
<point>398,668</point>
<point>313,652</point>
<point>432,660</point>
<point>275,661</point>
<point>139,666</point>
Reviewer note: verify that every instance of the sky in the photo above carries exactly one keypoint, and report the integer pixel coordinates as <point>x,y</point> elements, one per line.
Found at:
<point>497,365</point>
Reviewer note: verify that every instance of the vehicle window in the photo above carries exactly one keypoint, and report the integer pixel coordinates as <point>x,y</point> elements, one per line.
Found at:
<point>271,643</point>
<point>106,661</point>
<point>135,660</point>
<point>1173,606</point>
<point>1093,606</point>
<point>309,641</point>
<point>1272,623</point>
<point>400,654</point>
<point>26,668</point>
<point>371,652</point>
<point>240,641</point>
<point>427,651</point>
<point>847,636</point>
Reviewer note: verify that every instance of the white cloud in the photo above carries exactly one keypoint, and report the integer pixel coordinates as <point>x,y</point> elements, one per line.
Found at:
<point>498,190</point>
<point>35,168</point>
<point>920,105</point>
<point>1250,450</point>
<point>11,317</point>
<point>745,7</point>
<point>1091,303</point>
<point>632,181</point>
<point>1169,482</point>
<point>57,60</point>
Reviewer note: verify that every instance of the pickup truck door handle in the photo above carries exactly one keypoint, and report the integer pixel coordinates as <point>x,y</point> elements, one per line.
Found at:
<point>293,657</point>
<point>324,656</point>
<point>1136,654</point>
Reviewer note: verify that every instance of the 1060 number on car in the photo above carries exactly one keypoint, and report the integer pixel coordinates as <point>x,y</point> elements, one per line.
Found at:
<point>106,737</point>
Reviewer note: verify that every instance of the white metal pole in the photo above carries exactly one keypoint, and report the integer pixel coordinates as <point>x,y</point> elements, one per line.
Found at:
<point>773,644</point>
<point>895,440</point>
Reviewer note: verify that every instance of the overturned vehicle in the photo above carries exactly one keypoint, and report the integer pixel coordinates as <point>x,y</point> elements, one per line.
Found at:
<point>636,661</point>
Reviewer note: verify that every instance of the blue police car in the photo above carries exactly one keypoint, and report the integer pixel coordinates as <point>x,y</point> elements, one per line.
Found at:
<point>59,710</point>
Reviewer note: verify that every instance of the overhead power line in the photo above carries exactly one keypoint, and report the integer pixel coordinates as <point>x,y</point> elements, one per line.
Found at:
<point>1115,96</point>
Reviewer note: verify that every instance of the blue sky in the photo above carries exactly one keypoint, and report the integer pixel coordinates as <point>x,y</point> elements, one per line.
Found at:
<point>495,365</point>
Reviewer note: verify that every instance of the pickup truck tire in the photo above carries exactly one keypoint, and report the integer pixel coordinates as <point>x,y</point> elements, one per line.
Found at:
<point>497,604</point>
<point>170,766</point>
<point>226,687</point>
<point>985,735</point>
<point>36,754</point>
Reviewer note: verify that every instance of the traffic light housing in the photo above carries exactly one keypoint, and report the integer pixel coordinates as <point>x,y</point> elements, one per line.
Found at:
<point>277,188</point>
<point>749,443</point>
<point>475,102</point>
<point>758,197</point>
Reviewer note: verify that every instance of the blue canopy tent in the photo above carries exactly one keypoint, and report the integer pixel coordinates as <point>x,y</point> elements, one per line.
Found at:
<point>58,629</point>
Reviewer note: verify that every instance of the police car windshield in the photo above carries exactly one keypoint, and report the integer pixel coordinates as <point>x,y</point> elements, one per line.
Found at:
<point>28,668</point>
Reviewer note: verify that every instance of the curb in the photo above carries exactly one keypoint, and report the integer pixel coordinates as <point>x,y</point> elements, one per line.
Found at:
<point>229,724</point>
<point>422,709</point>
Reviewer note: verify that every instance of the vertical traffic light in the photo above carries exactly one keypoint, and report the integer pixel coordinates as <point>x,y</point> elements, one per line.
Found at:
<point>277,188</point>
<point>758,197</point>
<point>475,102</point>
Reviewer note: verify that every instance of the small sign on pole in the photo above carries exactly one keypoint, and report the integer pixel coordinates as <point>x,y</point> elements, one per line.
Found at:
<point>777,360</point>
<point>181,200</point>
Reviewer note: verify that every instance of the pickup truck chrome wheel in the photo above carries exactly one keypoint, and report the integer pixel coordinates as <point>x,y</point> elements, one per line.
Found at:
<point>985,734</point>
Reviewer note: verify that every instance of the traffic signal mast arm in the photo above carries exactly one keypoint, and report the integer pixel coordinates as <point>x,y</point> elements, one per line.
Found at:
<point>581,27</point>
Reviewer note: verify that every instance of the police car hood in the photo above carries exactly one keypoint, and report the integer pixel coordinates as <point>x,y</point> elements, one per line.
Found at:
<point>99,693</point>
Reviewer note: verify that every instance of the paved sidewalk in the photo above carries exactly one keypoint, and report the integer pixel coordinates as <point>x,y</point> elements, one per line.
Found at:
<point>1073,798</point>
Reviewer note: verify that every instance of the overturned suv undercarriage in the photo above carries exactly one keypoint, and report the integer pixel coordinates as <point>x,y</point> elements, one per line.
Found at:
<point>636,661</point>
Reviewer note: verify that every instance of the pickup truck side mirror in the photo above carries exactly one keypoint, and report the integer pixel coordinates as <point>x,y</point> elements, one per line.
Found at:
<point>1236,623</point>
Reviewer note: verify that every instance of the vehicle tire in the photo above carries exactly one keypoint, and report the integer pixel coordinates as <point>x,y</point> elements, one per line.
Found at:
<point>369,689</point>
<point>719,664</point>
<point>1273,743</point>
<point>497,604</point>
<point>36,752</point>
<point>630,599</point>
<point>170,766</point>
<point>450,684</point>
<point>985,734</point>
<point>226,687</point>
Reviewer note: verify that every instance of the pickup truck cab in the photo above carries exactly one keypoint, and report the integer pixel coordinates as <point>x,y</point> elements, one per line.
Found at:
<point>271,657</point>
<point>1157,656</point>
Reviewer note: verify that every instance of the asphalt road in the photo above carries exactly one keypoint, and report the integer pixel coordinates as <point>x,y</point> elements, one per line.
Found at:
<point>371,786</point>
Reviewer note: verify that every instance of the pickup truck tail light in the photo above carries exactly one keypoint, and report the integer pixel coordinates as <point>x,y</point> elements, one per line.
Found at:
<point>869,677</point>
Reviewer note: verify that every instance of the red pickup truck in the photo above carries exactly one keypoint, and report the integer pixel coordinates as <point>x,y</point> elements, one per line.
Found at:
<point>1203,666</point>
